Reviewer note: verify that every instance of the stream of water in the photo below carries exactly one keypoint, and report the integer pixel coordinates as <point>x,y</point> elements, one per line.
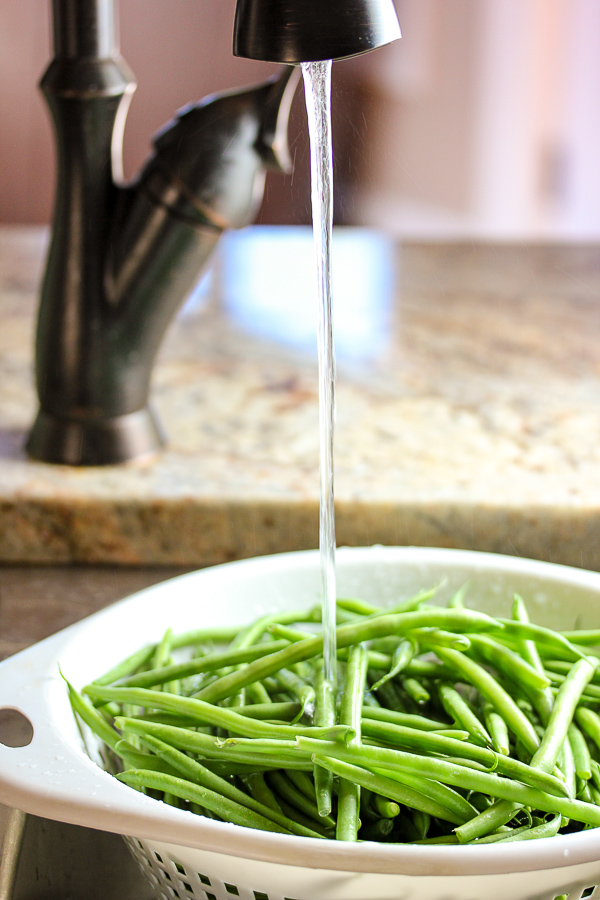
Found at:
<point>317,86</point>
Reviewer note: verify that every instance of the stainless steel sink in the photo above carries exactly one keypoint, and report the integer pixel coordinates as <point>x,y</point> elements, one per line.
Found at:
<point>66,862</point>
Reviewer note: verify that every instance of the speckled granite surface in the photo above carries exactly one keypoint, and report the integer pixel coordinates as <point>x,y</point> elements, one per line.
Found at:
<point>477,426</point>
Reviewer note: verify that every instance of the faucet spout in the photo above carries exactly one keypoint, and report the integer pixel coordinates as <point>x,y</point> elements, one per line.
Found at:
<point>297,31</point>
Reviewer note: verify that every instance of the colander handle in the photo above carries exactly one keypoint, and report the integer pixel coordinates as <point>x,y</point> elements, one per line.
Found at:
<point>36,726</point>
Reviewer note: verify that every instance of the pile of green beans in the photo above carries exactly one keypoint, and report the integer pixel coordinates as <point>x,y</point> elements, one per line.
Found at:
<point>446,726</point>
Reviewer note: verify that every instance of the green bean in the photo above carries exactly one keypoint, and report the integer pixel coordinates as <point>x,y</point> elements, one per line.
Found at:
<point>371,702</point>
<point>218,635</point>
<point>395,718</point>
<point>138,759</point>
<point>294,636</point>
<point>387,787</point>
<point>456,776</point>
<point>596,774</point>
<point>324,717</point>
<point>232,769</point>
<point>389,693</point>
<point>283,712</point>
<point>421,668</point>
<point>200,775</point>
<point>566,765</point>
<point>211,663</point>
<point>128,666</point>
<point>501,835</point>
<point>565,704</point>
<point>356,606</point>
<point>283,788</point>
<point>436,637</point>
<point>406,606</point>
<point>562,667</point>
<point>387,809</point>
<point>547,754</point>
<point>179,787</point>
<point>92,718</point>
<point>488,821</point>
<point>457,600</point>
<point>293,813</point>
<point>527,647</point>
<point>508,662</point>
<point>225,722</point>
<point>348,823</point>
<point>459,710</point>
<point>430,742</point>
<point>548,829</point>
<point>368,812</point>
<point>542,699</point>
<point>435,790</point>
<point>303,782</point>
<point>291,635</point>
<point>415,690</point>
<point>587,638</point>
<point>401,657</point>
<point>260,790</point>
<point>297,687</point>
<point>257,693</point>
<point>497,729</point>
<point>489,688</point>
<point>521,631</point>
<point>355,633</point>
<point>163,650</point>
<point>212,715</point>
<point>271,754</point>
<point>254,632</point>
<point>589,722</point>
<point>422,823</point>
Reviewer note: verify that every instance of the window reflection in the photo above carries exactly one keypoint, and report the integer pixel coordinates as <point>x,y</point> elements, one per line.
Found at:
<point>267,284</point>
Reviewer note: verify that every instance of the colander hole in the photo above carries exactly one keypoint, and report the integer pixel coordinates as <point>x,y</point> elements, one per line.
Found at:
<point>206,880</point>
<point>231,889</point>
<point>15,729</point>
<point>258,895</point>
<point>588,891</point>
<point>158,858</point>
<point>179,868</point>
<point>210,896</point>
<point>188,887</point>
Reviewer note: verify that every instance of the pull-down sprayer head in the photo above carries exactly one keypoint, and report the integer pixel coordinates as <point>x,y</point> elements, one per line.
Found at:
<point>297,31</point>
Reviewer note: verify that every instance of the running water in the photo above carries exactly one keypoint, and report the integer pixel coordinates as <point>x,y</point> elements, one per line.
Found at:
<point>317,86</point>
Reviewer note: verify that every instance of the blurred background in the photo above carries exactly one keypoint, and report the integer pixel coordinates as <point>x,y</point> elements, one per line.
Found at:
<point>483,122</point>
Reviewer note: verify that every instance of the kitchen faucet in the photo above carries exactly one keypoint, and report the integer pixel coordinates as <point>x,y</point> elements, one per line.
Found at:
<point>123,257</point>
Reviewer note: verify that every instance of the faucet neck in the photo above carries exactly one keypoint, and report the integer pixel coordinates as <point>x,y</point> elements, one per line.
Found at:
<point>85,29</point>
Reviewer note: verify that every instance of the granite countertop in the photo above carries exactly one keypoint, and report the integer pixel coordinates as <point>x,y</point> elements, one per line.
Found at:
<point>475,423</point>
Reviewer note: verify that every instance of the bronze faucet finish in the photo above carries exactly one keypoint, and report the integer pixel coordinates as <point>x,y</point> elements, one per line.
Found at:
<point>123,257</point>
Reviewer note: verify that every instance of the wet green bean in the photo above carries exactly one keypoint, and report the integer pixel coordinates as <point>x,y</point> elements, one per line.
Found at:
<point>213,715</point>
<point>348,820</point>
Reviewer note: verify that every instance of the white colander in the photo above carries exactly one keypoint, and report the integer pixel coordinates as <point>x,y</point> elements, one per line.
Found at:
<point>187,856</point>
